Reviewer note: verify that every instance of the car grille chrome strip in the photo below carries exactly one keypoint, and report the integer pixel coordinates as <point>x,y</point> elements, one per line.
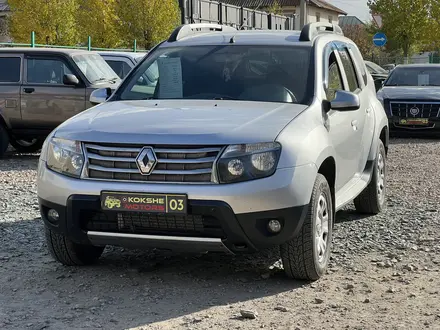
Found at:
<point>174,164</point>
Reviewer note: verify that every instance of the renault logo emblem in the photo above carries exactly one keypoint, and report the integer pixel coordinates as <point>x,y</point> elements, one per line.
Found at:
<point>414,111</point>
<point>146,160</point>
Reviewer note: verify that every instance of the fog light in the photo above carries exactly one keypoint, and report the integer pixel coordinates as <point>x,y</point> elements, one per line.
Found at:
<point>53,215</point>
<point>274,226</point>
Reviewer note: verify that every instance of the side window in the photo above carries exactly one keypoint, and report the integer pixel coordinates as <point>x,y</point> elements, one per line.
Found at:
<point>10,69</point>
<point>334,78</point>
<point>349,69</point>
<point>117,67</point>
<point>361,65</point>
<point>120,67</point>
<point>46,71</point>
<point>318,16</point>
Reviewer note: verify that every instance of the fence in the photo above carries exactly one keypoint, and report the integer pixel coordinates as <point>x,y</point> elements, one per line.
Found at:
<point>209,11</point>
<point>89,47</point>
<point>384,60</point>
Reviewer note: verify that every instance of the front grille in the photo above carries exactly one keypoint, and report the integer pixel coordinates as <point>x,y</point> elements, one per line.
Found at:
<point>182,164</point>
<point>151,224</point>
<point>402,109</point>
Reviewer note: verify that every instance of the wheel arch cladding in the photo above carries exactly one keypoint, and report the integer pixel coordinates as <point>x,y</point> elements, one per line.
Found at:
<point>385,138</point>
<point>328,170</point>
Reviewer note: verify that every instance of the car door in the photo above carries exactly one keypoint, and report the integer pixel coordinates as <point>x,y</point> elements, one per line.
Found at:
<point>46,101</point>
<point>367,93</point>
<point>344,127</point>
<point>10,82</point>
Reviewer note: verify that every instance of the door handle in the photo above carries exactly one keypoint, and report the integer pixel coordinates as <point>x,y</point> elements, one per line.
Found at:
<point>29,90</point>
<point>354,124</point>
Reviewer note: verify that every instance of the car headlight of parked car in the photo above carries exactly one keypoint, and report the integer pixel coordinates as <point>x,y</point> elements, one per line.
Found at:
<point>245,162</point>
<point>65,157</point>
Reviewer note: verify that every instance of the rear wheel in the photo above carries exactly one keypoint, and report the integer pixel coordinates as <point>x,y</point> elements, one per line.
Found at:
<point>69,253</point>
<point>27,145</point>
<point>306,256</point>
<point>372,199</point>
<point>4,141</point>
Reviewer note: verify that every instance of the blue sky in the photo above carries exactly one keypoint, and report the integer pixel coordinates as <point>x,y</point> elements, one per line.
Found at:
<point>357,8</point>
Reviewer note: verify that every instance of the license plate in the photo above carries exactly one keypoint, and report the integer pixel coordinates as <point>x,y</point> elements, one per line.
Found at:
<point>414,121</point>
<point>144,202</point>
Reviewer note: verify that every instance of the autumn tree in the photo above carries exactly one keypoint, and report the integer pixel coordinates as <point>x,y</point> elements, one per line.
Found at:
<point>54,21</point>
<point>147,21</point>
<point>361,37</point>
<point>405,22</point>
<point>275,8</point>
<point>98,19</point>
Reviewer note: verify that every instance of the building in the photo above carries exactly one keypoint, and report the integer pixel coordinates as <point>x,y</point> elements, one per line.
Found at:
<point>317,10</point>
<point>350,21</point>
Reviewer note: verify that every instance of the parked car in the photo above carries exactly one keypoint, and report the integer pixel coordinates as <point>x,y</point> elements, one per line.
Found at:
<point>40,88</point>
<point>378,73</point>
<point>122,62</point>
<point>411,98</point>
<point>249,139</point>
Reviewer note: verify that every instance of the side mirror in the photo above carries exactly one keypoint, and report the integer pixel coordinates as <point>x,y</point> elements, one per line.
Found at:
<point>100,95</point>
<point>70,79</point>
<point>345,101</point>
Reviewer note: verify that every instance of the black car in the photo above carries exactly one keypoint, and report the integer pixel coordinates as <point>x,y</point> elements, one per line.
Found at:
<point>378,73</point>
<point>411,98</point>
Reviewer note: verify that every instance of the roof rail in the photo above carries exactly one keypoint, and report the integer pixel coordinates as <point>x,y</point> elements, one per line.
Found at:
<point>311,30</point>
<point>186,30</point>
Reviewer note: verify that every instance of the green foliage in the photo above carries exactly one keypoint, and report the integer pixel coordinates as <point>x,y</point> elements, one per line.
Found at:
<point>98,19</point>
<point>110,23</point>
<point>405,22</point>
<point>275,8</point>
<point>54,21</point>
<point>148,21</point>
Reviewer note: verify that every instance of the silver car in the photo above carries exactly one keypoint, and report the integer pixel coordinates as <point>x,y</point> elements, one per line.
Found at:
<point>242,141</point>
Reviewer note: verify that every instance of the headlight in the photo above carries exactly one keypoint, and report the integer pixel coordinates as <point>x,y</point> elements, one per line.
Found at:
<point>65,157</point>
<point>245,162</point>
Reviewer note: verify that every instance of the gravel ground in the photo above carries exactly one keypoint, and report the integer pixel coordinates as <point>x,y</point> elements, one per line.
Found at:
<point>384,271</point>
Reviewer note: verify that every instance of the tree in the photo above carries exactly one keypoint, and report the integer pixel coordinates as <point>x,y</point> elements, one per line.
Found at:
<point>147,21</point>
<point>52,20</point>
<point>405,22</point>
<point>98,19</point>
<point>275,8</point>
<point>359,34</point>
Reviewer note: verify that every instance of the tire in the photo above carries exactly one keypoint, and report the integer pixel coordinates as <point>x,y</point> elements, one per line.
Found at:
<point>302,258</point>
<point>69,253</point>
<point>25,146</point>
<point>372,199</point>
<point>4,141</point>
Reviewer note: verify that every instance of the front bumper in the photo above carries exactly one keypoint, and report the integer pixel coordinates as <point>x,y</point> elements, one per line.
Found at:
<point>230,217</point>
<point>209,226</point>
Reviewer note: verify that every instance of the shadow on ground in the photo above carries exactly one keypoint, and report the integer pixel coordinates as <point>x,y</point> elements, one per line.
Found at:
<point>128,288</point>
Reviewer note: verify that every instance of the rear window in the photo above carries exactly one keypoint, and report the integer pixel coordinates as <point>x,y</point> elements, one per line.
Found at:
<point>10,69</point>
<point>228,72</point>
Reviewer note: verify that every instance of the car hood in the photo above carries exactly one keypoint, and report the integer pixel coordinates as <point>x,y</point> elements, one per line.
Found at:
<point>410,92</point>
<point>180,122</point>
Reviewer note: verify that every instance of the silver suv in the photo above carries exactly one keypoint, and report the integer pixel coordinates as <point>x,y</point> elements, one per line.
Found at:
<point>221,140</point>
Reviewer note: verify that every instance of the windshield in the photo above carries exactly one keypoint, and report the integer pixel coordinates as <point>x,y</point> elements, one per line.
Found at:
<point>374,68</point>
<point>95,68</point>
<point>414,76</point>
<point>225,72</point>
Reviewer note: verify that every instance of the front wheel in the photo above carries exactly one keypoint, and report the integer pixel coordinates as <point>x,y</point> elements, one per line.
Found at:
<point>372,199</point>
<point>306,256</point>
<point>69,253</point>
